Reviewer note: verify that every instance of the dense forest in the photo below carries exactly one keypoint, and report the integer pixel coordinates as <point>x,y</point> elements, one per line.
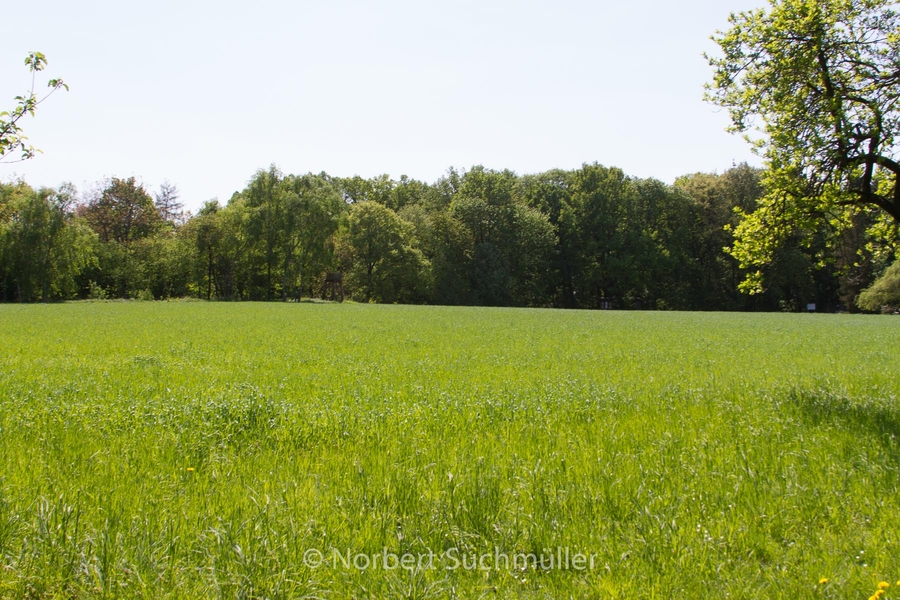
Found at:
<point>586,238</point>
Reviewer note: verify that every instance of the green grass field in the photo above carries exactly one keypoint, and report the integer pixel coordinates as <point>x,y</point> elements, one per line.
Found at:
<point>192,450</point>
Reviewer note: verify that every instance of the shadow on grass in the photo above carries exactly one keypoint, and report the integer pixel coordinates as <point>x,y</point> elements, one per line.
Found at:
<point>868,418</point>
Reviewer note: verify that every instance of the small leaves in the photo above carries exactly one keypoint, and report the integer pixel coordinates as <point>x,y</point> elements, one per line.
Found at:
<point>822,79</point>
<point>36,61</point>
<point>11,138</point>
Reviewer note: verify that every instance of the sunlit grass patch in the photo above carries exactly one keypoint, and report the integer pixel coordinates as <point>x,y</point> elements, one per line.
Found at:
<point>203,450</point>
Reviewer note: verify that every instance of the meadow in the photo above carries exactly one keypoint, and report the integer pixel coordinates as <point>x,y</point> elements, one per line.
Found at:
<point>216,450</point>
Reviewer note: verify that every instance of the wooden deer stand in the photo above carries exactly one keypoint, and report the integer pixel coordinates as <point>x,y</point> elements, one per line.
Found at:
<point>335,280</point>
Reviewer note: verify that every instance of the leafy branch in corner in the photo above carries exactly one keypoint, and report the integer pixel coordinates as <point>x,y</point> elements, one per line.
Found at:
<point>11,138</point>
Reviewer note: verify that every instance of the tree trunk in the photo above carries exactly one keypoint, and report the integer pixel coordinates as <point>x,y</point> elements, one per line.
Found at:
<point>284,280</point>
<point>209,275</point>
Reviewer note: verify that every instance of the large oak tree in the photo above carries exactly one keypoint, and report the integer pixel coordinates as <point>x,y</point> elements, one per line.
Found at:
<point>819,83</point>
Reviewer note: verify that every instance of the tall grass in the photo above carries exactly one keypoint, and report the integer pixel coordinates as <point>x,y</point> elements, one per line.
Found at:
<point>189,450</point>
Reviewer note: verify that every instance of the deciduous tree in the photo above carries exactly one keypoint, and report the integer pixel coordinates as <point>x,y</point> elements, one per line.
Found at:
<point>43,246</point>
<point>819,82</point>
<point>383,264</point>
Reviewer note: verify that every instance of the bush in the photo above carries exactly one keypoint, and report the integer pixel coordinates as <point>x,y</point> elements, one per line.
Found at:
<point>97,292</point>
<point>884,294</point>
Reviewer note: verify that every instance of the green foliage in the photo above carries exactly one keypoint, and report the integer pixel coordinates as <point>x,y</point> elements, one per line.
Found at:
<point>205,452</point>
<point>377,251</point>
<point>312,208</point>
<point>395,195</point>
<point>167,265</point>
<point>122,212</point>
<point>576,239</point>
<point>12,139</point>
<point>884,294</point>
<point>714,198</point>
<point>43,246</point>
<point>96,292</point>
<point>126,221</point>
<point>287,223</point>
<point>448,245</point>
<point>624,239</point>
<point>821,82</point>
<point>513,242</point>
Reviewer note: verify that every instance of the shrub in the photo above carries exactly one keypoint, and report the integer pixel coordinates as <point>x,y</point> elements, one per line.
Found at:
<point>884,294</point>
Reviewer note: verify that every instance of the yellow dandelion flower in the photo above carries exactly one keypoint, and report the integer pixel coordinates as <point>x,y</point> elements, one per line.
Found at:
<point>883,585</point>
<point>878,594</point>
<point>823,581</point>
<point>190,469</point>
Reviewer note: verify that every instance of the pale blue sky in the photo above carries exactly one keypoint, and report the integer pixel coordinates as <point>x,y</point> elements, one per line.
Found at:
<point>205,93</point>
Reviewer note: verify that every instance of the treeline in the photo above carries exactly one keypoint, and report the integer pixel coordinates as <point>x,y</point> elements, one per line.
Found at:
<point>586,238</point>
